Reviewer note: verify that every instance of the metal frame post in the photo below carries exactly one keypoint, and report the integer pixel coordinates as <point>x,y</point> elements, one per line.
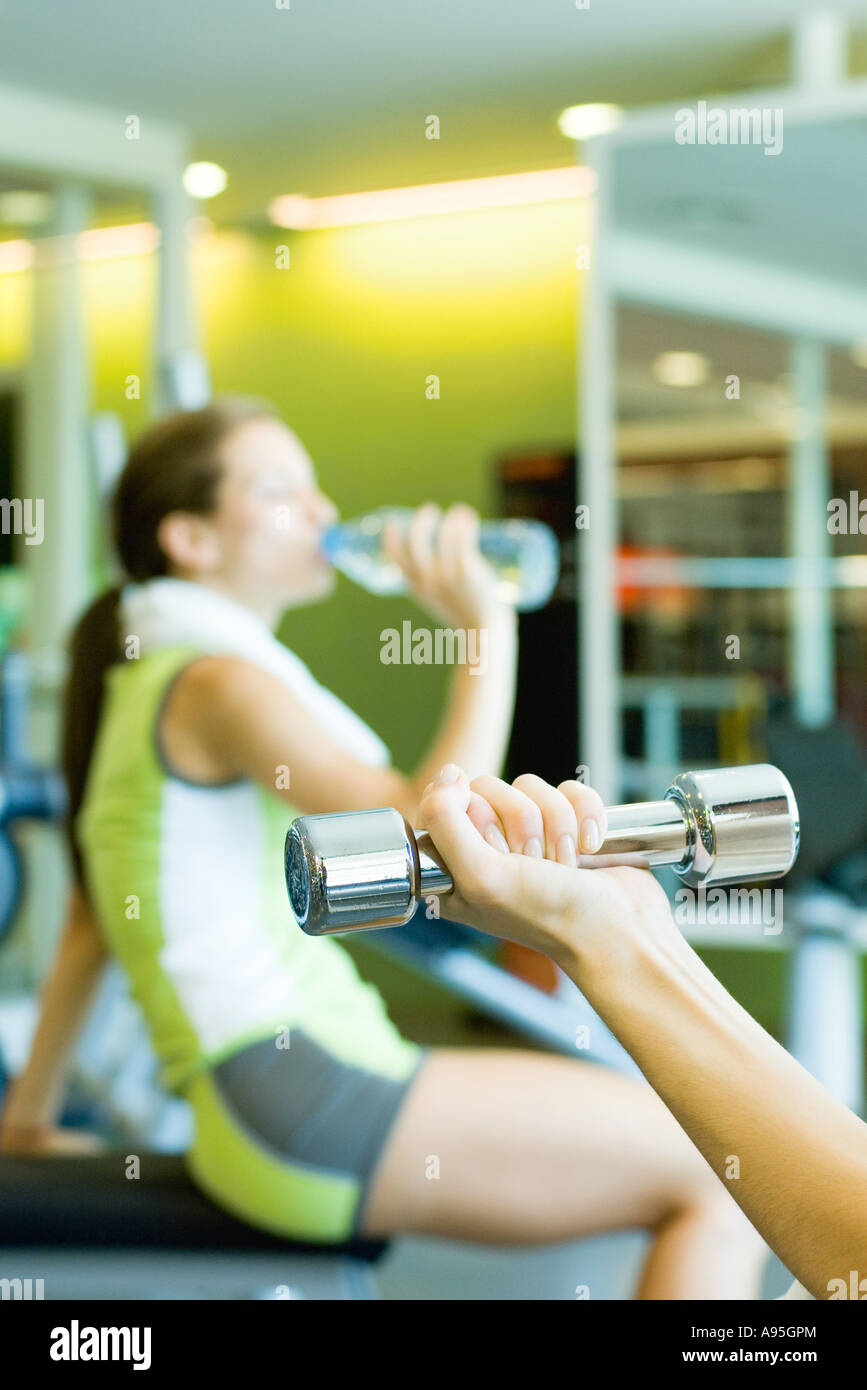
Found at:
<point>596,487</point>
<point>811,605</point>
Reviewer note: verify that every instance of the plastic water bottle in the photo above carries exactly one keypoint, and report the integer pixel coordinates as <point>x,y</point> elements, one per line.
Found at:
<point>524,555</point>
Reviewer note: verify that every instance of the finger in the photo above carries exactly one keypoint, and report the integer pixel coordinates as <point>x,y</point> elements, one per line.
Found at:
<point>394,543</point>
<point>487,822</point>
<point>458,536</point>
<point>518,814</point>
<point>420,539</point>
<point>558,818</point>
<point>589,812</point>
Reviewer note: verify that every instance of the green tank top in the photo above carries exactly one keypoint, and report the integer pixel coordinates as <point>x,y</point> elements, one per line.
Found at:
<point>188,884</point>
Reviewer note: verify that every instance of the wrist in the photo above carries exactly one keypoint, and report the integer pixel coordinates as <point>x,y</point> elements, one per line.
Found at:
<point>615,952</point>
<point>10,1129</point>
<point>23,1112</point>
<point>23,1118</point>
<point>494,617</point>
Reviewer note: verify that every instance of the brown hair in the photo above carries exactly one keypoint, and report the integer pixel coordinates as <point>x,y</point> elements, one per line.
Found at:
<point>175,465</point>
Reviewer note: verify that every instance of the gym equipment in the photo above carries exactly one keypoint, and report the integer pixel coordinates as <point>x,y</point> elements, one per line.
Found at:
<point>359,869</point>
<point>89,1231</point>
<point>27,792</point>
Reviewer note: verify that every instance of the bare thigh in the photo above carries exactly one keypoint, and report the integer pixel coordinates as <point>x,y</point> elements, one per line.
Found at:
<point>513,1147</point>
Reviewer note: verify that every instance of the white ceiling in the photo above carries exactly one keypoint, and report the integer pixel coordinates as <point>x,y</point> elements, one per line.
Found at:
<point>331,95</point>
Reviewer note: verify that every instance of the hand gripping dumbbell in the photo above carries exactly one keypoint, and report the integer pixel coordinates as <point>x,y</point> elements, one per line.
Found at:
<point>358,869</point>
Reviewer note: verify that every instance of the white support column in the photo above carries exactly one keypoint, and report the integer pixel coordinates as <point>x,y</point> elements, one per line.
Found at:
<point>819,50</point>
<point>811,629</point>
<point>181,374</point>
<point>56,470</point>
<point>56,465</point>
<point>826,1013</point>
<point>596,487</point>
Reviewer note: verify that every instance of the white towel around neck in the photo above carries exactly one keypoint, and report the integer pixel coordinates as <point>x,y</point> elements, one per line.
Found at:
<point>167,612</point>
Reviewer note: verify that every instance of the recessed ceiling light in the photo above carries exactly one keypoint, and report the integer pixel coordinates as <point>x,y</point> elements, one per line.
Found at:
<point>858,353</point>
<point>681,368</point>
<point>25,207</point>
<point>595,118</point>
<point>204,180</point>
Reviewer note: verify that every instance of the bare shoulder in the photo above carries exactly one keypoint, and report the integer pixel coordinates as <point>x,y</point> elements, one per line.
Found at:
<point>222,678</point>
<point>206,717</point>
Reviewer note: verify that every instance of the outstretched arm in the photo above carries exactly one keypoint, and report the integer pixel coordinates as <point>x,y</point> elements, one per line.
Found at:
<point>32,1107</point>
<point>792,1156</point>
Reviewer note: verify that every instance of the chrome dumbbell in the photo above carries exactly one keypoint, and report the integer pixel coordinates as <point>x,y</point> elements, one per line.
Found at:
<point>358,869</point>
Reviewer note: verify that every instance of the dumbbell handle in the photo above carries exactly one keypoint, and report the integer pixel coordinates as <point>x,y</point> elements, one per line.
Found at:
<point>358,869</point>
<point>646,833</point>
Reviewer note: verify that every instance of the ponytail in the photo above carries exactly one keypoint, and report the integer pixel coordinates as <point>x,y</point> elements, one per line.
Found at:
<point>94,647</point>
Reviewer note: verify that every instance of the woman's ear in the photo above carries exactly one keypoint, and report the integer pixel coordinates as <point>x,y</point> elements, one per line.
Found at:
<point>189,542</point>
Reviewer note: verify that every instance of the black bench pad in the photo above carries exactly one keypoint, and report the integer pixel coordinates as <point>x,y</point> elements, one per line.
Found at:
<point>90,1202</point>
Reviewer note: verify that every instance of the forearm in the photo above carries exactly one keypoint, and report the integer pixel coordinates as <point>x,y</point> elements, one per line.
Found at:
<point>475,729</point>
<point>36,1096</point>
<point>792,1156</point>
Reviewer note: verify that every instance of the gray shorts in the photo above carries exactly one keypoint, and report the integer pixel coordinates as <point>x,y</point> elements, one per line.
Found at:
<point>310,1108</point>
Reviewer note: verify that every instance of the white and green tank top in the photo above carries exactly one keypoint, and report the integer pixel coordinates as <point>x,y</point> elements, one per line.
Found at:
<point>188,883</point>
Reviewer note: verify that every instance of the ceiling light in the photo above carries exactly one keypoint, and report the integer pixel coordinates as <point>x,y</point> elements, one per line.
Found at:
<point>595,118</point>
<point>114,243</point>
<point>204,180</point>
<point>96,244</point>
<point>681,368</point>
<point>295,211</point>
